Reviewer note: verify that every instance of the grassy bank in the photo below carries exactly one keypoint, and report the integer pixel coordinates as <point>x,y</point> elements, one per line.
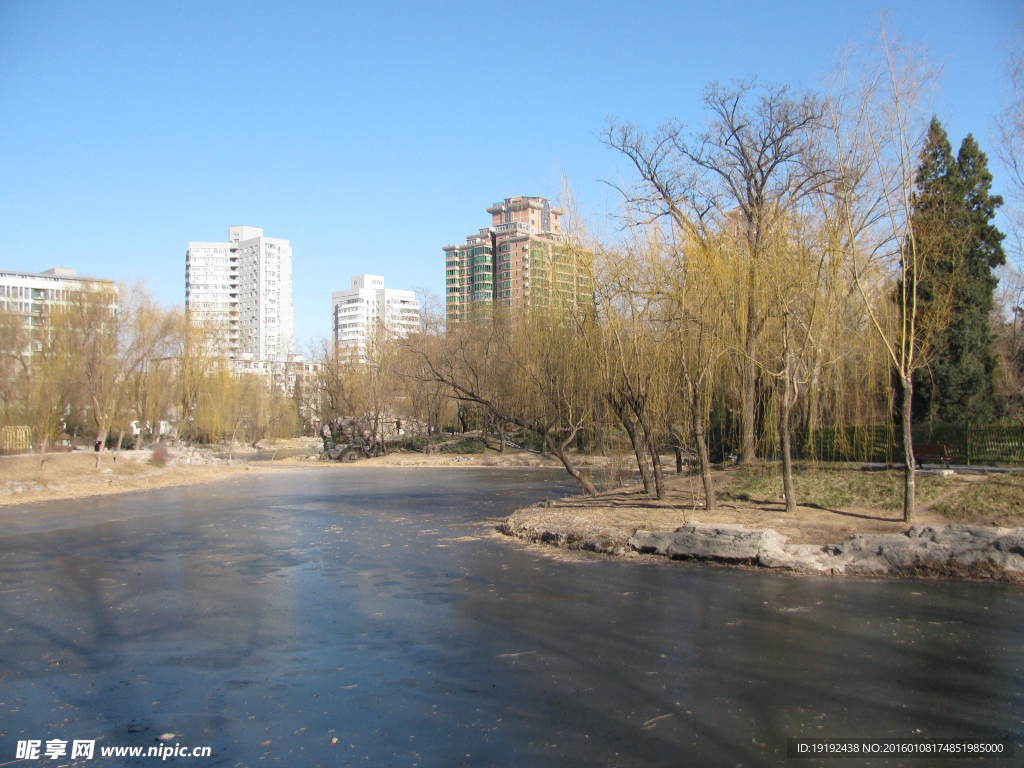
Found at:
<point>835,502</point>
<point>994,499</point>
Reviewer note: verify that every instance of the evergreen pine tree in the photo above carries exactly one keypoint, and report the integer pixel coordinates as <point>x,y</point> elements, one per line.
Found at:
<point>952,218</point>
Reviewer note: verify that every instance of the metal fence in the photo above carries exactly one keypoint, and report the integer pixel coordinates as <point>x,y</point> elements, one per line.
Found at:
<point>968,444</point>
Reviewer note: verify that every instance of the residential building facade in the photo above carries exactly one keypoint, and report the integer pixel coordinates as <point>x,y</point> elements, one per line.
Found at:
<point>242,290</point>
<point>296,377</point>
<point>33,295</point>
<point>368,307</point>
<point>521,260</point>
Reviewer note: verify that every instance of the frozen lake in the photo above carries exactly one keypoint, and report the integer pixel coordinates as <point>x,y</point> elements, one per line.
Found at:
<point>370,616</point>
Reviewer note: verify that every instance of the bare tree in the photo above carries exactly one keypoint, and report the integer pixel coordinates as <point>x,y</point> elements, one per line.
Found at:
<point>1010,337</point>
<point>533,373</point>
<point>1010,126</point>
<point>423,401</point>
<point>803,286</point>
<point>754,163</point>
<point>876,132</point>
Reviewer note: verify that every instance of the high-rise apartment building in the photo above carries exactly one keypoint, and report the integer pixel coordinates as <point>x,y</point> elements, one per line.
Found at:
<point>521,260</point>
<point>242,290</point>
<point>33,295</point>
<point>367,308</point>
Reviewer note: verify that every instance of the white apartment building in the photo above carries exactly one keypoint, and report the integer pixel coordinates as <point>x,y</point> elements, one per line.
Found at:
<point>33,294</point>
<point>242,289</point>
<point>367,308</point>
<point>283,373</point>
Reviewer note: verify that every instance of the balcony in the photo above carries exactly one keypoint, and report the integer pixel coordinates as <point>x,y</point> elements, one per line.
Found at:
<point>514,226</point>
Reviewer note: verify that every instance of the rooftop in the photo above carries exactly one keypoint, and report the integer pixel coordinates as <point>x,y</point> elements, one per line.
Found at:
<point>55,273</point>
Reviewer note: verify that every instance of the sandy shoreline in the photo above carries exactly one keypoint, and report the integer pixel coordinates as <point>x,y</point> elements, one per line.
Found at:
<point>493,460</point>
<point>56,483</point>
<point>59,476</point>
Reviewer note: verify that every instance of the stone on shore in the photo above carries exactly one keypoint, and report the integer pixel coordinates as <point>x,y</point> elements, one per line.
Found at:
<point>967,551</point>
<point>972,551</point>
<point>949,551</point>
<point>730,543</point>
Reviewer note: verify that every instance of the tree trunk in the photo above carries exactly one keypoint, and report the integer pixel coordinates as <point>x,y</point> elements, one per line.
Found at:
<point>748,395</point>
<point>786,422</point>
<point>787,453</point>
<point>101,438</point>
<point>676,433</point>
<point>705,467</point>
<point>910,468</point>
<point>748,452</point>
<point>558,448</point>
<point>630,426</point>
<point>703,457</point>
<point>659,475</point>
<point>42,451</point>
<point>652,450</point>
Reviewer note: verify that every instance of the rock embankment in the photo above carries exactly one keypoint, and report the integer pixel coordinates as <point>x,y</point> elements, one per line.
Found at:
<point>949,551</point>
<point>572,532</point>
<point>960,551</point>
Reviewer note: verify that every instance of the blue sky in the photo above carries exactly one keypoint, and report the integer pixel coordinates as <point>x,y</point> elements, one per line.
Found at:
<point>373,134</point>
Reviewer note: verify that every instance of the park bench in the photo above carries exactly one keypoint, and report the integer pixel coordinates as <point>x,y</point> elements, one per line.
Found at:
<point>932,452</point>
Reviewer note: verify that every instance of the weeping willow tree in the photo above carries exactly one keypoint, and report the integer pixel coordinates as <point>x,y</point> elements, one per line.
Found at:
<point>693,285</point>
<point>666,335</point>
<point>534,371</point>
<point>636,361</point>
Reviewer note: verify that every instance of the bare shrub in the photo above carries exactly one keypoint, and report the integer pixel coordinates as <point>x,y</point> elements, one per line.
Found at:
<point>160,455</point>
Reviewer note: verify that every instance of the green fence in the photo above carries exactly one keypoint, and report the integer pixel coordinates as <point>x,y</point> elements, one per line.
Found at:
<point>872,443</point>
<point>977,445</point>
<point>883,443</point>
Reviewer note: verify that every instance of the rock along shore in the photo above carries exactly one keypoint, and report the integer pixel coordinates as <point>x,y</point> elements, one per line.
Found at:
<point>949,551</point>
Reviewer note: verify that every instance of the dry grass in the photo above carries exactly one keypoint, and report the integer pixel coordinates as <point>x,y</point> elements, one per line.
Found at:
<point>838,488</point>
<point>997,500</point>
